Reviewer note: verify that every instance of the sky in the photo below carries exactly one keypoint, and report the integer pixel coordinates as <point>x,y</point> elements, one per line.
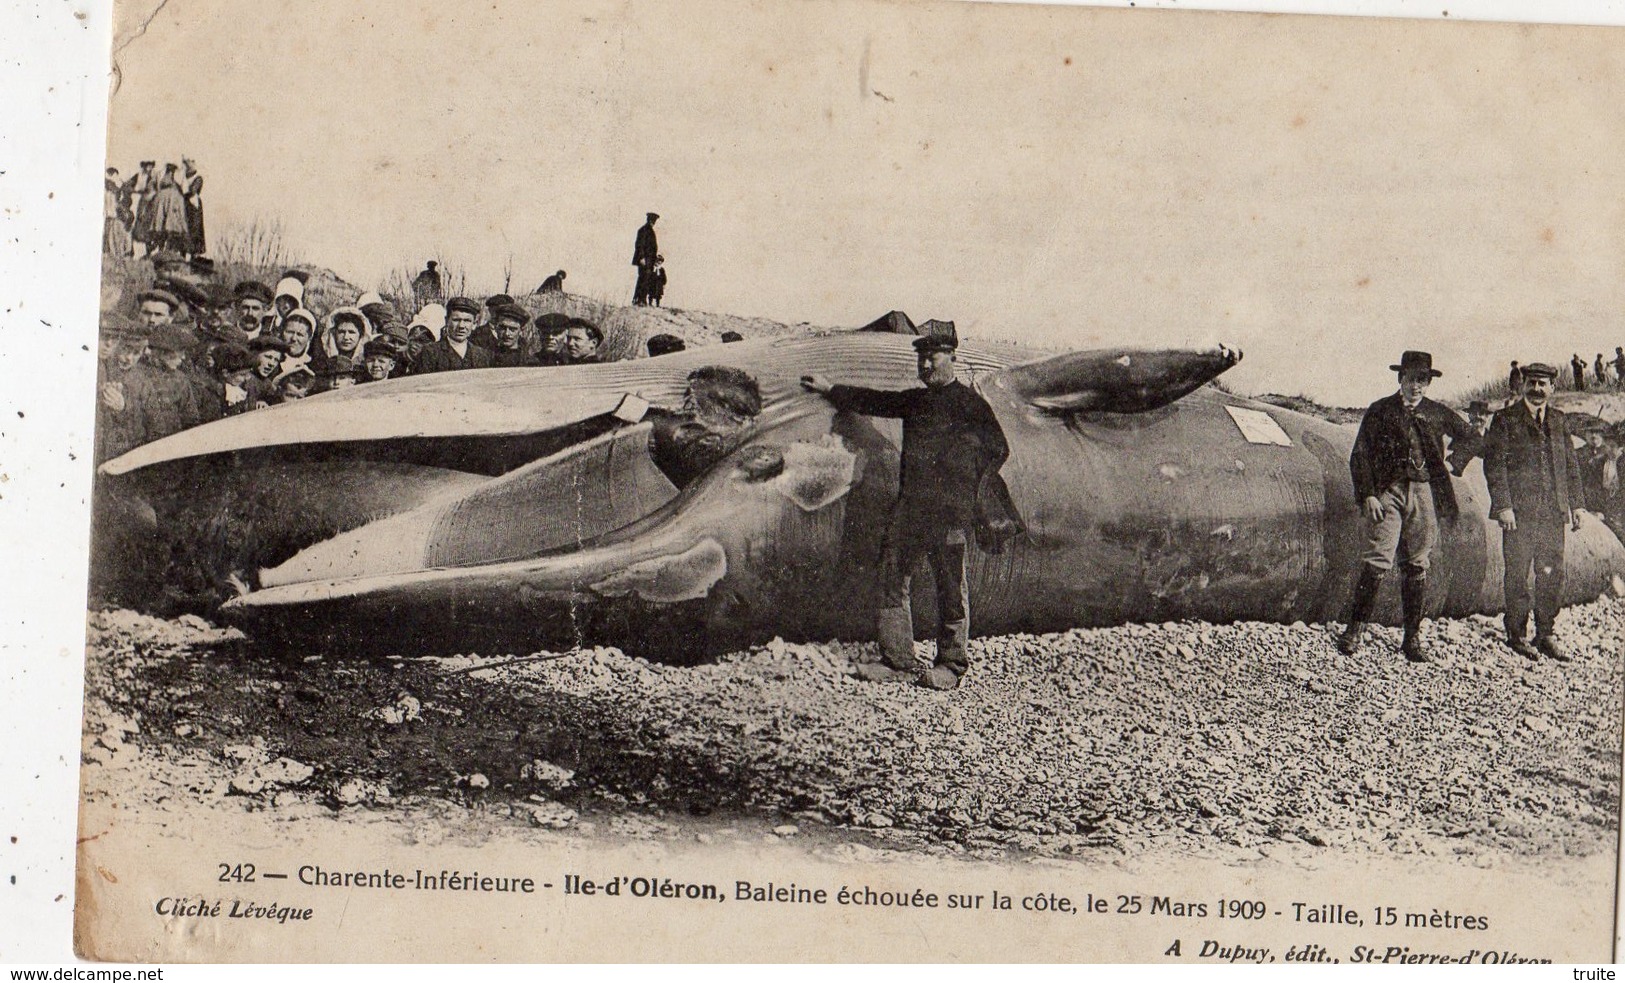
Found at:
<point>1322,192</point>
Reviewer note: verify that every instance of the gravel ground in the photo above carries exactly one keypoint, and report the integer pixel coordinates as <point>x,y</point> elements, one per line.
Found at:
<point>1186,736</point>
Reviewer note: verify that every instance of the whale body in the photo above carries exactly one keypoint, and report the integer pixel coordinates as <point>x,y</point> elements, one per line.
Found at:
<point>522,506</point>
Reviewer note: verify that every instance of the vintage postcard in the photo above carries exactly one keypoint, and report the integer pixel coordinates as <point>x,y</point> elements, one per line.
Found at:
<point>851,480</point>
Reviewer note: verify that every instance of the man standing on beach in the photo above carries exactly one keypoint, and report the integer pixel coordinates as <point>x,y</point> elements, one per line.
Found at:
<point>951,440</point>
<point>644,254</point>
<point>1535,490</point>
<point>1403,486</point>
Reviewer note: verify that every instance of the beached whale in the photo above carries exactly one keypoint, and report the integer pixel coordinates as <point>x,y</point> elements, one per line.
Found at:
<point>523,506</point>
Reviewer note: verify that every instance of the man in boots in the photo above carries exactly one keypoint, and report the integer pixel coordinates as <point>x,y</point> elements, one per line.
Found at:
<point>1535,491</point>
<point>1403,487</point>
<point>951,440</point>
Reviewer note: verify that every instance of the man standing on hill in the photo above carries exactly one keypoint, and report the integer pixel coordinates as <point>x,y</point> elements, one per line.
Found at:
<point>1403,486</point>
<point>1535,491</point>
<point>1619,365</point>
<point>644,253</point>
<point>1578,365</point>
<point>426,285</point>
<point>951,443</point>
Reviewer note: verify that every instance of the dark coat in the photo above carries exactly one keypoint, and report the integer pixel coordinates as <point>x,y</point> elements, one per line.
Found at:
<point>951,440</point>
<point>1513,457</point>
<point>646,248</point>
<point>161,402</point>
<point>1382,449</point>
<point>509,358</point>
<point>439,357</point>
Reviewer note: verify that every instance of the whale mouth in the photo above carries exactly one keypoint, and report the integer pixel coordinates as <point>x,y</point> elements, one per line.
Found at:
<point>599,520</point>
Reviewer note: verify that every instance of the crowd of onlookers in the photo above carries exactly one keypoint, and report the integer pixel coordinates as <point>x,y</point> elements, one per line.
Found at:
<point>197,349</point>
<point>154,211</point>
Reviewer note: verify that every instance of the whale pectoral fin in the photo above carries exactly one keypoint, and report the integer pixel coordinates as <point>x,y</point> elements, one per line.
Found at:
<point>1114,380</point>
<point>684,576</point>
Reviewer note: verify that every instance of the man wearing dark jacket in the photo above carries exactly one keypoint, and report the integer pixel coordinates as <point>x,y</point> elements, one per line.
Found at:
<point>644,251</point>
<point>1403,486</point>
<point>951,439</point>
<point>1534,479</point>
<point>454,350</point>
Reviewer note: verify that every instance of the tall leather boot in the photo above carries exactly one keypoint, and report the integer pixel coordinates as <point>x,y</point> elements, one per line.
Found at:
<point>1365,599</point>
<point>1413,599</point>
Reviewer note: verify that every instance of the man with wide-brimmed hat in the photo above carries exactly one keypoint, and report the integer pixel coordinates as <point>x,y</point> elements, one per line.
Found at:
<point>1403,487</point>
<point>951,441</point>
<point>1535,492</point>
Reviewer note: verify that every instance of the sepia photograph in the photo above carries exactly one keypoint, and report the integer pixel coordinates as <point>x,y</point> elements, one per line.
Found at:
<point>854,481</point>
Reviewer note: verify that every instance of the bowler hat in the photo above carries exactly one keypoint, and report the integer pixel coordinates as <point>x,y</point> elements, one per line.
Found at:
<point>254,290</point>
<point>1416,362</point>
<point>936,336</point>
<point>464,305</point>
<point>1539,370</point>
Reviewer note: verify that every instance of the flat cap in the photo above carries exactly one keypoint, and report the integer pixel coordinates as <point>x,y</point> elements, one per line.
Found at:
<point>234,358</point>
<point>161,295</point>
<point>511,312</point>
<point>937,336</point>
<point>463,304</point>
<point>1539,370</point>
<point>254,290</point>
<point>172,338</point>
<point>267,342</point>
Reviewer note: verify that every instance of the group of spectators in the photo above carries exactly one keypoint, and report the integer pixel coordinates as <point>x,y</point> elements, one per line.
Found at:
<point>1604,373</point>
<point>197,350</point>
<point>154,212</point>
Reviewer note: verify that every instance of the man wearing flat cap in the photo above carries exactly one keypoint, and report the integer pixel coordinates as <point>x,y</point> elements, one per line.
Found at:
<point>156,307</point>
<point>1535,492</point>
<point>644,251</point>
<point>254,300</point>
<point>454,351</point>
<point>160,392</point>
<point>951,441</point>
<point>1403,487</point>
<point>508,332</point>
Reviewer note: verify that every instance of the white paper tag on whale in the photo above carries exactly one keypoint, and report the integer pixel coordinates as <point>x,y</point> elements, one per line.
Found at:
<point>632,408</point>
<point>1258,427</point>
